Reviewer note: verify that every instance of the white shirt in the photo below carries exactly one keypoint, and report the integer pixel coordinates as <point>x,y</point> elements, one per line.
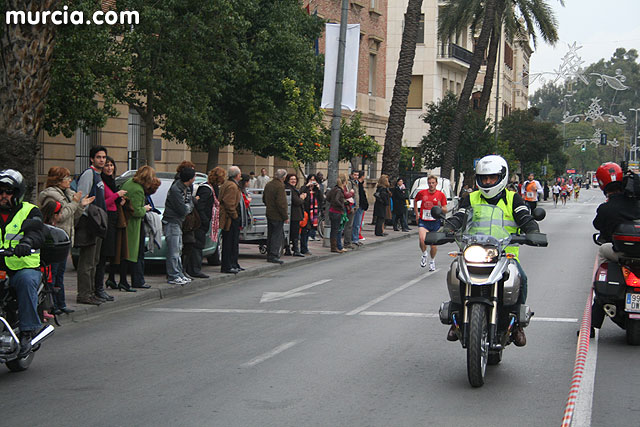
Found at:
<point>556,189</point>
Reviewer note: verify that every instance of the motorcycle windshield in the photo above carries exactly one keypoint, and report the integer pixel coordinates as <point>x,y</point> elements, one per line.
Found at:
<point>485,224</point>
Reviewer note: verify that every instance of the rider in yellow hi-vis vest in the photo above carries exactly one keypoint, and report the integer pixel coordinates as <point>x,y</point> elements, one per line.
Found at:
<point>492,174</point>
<point>21,231</point>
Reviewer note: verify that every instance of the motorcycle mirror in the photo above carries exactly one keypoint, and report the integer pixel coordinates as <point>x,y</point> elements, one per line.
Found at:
<point>436,212</point>
<point>539,214</point>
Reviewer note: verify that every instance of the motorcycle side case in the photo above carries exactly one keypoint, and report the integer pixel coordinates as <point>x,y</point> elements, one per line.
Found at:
<point>453,283</point>
<point>512,286</point>
<point>611,284</point>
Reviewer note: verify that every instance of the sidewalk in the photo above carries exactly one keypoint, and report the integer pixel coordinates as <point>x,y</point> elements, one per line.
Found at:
<point>250,258</point>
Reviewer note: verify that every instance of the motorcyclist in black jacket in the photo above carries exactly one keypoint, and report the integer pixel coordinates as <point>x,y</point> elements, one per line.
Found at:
<point>618,209</point>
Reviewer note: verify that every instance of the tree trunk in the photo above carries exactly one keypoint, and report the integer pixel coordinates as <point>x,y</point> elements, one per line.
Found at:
<point>25,62</point>
<point>213,156</point>
<point>398,110</point>
<point>463,102</point>
<point>487,86</point>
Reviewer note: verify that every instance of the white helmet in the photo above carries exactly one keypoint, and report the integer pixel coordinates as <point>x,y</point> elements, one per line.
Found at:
<point>492,165</point>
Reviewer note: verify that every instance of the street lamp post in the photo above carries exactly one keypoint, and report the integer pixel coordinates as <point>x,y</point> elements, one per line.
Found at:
<point>635,135</point>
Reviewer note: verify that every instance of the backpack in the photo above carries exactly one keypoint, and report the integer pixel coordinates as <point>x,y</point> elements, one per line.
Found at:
<point>631,185</point>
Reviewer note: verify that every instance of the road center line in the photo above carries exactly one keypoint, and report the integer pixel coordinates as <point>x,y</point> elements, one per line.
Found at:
<point>270,354</point>
<point>389,294</point>
<point>332,313</point>
<point>240,311</point>
<point>397,314</point>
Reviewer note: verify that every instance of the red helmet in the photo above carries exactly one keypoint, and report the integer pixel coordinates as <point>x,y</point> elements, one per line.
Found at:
<point>608,173</point>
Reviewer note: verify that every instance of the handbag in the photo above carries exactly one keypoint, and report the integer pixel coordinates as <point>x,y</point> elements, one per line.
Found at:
<point>191,221</point>
<point>304,221</point>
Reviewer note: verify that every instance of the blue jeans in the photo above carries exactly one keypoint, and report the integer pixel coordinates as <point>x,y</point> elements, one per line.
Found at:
<point>173,240</point>
<point>26,283</point>
<point>357,222</point>
<point>57,276</point>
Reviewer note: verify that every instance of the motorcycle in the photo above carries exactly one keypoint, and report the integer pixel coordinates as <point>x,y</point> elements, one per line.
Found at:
<point>55,249</point>
<point>484,285</point>
<point>617,284</point>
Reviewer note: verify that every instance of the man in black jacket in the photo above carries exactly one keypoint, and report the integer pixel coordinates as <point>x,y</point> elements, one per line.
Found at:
<point>618,209</point>
<point>21,229</point>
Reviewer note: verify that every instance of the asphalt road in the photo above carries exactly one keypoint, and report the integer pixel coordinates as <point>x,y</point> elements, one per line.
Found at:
<point>352,341</point>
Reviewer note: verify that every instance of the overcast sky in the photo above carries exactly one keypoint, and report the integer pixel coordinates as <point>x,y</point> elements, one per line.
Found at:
<point>600,26</point>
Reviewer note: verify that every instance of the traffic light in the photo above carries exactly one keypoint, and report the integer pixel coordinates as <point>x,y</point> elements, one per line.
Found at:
<point>603,139</point>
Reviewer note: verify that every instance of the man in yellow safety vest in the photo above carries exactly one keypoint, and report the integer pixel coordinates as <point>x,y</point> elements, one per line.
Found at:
<point>21,231</point>
<point>492,174</point>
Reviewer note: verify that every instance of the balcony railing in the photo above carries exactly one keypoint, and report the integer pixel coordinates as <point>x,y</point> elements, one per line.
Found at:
<point>451,50</point>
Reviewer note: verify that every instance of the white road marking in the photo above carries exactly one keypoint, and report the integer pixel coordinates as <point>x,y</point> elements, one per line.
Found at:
<point>397,314</point>
<point>240,311</point>
<point>277,296</point>
<point>584,399</point>
<point>389,294</point>
<point>332,313</point>
<point>270,354</point>
<point>554,319</point>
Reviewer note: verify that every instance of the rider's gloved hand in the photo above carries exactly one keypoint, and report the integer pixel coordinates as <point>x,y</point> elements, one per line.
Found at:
<point>537,238</point>
<point>23,249</point>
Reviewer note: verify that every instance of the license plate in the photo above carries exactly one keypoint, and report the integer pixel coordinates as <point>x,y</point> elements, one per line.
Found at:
<point>632,303</point>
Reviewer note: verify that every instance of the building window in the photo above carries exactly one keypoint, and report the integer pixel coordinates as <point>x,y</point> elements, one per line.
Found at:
<point>444,87</point>
<point>84,141</point>
<point>372,74</point>
<point>136,134</point>
<point>415,93</point>
<point>420,38</point>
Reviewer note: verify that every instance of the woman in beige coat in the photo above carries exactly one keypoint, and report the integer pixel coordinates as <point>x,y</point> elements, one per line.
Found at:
<point>58,190</point>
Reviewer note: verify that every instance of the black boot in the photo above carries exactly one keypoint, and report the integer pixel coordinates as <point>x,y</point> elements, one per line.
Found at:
<point>25,343</point>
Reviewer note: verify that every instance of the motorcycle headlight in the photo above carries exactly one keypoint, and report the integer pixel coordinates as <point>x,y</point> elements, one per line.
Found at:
<point>480,254</point>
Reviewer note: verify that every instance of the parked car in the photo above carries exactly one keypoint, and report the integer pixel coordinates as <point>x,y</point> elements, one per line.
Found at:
<point>444,185</point>
<point>159,255</point>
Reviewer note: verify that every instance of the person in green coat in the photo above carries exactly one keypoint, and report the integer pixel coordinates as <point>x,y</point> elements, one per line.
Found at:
<point>136,187</point>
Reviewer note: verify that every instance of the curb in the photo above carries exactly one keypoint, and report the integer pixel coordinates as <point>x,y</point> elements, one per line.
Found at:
<point>156,294</point>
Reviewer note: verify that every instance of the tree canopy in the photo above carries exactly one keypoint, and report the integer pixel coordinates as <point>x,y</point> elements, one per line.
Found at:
<point>475,140</point>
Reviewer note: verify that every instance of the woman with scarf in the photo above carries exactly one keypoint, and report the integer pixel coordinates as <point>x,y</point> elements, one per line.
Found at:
<point>297,214</point>
<point>207,206</point>
<point>112,197</point>
<point>312,207</point>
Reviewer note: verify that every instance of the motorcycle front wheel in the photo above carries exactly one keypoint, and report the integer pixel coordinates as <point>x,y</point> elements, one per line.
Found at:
<point>478,348</point>
<point>19,365</point>
<point>633,332</point>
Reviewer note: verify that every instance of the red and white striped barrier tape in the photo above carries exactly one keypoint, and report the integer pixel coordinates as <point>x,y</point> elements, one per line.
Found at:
<point>581,357</point>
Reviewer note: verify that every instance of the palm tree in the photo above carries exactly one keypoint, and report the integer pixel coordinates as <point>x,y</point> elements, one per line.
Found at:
<point>25,58</point>
<point>471,11</point>
<point>398,109</point>
<point>520,18</point>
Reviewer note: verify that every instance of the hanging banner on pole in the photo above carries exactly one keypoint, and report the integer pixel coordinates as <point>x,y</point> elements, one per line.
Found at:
<point>350,84</point>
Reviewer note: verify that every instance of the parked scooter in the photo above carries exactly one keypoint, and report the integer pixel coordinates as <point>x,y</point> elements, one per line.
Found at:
<point>484,285</point>
<point>617,284</point>
<point>55,249</point>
